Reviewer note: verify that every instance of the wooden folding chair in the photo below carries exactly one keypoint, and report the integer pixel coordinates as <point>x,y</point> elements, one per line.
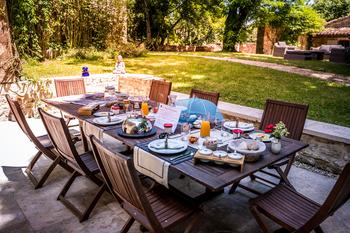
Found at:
<point>297,213</point>
<point>157,209</point>
<point>206,95</point>
<point>294,117</point>
<point>42,143</point>
<point>82,164</point>
<point>67,87</point>
<point>160,90</point>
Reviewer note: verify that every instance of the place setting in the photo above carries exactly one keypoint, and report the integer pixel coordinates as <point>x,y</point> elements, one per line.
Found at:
<point>173,151</point>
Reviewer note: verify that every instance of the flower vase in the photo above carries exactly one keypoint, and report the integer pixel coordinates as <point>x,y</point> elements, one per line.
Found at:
<point>276,146</point>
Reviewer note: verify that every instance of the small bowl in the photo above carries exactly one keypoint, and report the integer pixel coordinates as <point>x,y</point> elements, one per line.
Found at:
<point>220,154</point>
<point>205,152</point>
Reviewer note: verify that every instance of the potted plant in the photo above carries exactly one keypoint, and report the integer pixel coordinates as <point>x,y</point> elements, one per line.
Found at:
<point>279,131</point>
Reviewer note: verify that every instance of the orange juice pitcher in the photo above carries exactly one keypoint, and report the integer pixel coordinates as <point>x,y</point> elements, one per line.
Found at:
<point>144,108</point>
<point>205,129</point>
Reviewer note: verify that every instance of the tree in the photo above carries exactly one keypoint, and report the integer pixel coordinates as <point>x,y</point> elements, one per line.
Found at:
<point>160,20</point>
<point>332,9</point>
<point>290,18</point>
<point>239,14</point>
<point>10,65</point>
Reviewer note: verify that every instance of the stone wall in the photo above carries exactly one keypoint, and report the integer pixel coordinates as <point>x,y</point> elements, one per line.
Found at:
<point>247,47</point>
<point>324,154</point>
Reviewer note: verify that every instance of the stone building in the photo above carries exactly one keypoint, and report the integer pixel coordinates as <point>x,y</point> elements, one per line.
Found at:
<point>336,32</point>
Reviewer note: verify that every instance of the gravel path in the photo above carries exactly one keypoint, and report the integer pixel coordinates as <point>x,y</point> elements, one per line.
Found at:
<point>290,69</point>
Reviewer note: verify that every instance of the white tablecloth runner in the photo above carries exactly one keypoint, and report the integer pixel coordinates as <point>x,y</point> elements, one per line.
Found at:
<point>151,166</point>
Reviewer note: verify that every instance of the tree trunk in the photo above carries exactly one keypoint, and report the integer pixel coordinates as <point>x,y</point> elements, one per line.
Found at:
<point>148,23</point>
<point>237,17</point>
<point>9,60</point>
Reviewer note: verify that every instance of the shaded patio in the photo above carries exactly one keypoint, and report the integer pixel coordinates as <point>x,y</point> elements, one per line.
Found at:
<point>23,209</point>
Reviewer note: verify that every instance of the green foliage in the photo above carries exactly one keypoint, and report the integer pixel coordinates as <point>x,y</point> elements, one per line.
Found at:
<point>174,21</point>
<point>39,25</point>
<point>290,18</point>
<point>239,14</point>
<point>332,9</point>
<point>131,50</point>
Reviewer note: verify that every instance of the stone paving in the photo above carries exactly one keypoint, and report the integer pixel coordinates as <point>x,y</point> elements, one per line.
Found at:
<point>290,69</point>
<point>23,209</point>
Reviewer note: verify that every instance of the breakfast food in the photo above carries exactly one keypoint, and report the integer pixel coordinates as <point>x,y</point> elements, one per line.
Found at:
<point>193,139</point>
<point>249,146</point>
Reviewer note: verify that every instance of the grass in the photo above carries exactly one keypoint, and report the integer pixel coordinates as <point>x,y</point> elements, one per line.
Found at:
<point>324,66</point>
<point>237,83</point>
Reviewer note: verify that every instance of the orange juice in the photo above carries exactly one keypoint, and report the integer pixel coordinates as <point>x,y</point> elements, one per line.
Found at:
<point>205,129</point>
<point>144,108</point>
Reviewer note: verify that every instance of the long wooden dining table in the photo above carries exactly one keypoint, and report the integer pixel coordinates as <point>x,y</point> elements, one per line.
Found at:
<point>213,177</point>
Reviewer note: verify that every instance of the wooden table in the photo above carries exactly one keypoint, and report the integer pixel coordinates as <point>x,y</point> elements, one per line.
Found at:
<point>213,177</point>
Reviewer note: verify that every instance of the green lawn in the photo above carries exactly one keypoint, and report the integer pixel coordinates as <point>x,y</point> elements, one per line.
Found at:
<point>237,83</point>
<point>324,66</point>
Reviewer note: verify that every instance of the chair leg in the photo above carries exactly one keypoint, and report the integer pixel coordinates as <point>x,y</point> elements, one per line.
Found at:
<point>318,229</point>
<point>69,183</point>
<point>93,203</point>
<point>39,183</point>
<point>86,213</point>
<point>127,225</point>
<point>258,219</point>
<point>289,165</point>
<point>34,160</point>
<point>190,226</point>
<point>233,188</point>
<point>252,177</point>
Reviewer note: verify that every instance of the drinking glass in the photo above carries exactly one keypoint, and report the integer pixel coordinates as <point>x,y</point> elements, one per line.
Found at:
<point>144,108</point>
<point>205,129</point>
<point>172,100</point>
<point>185,131</point>
<point>236,143</point>
<point>126,104</point>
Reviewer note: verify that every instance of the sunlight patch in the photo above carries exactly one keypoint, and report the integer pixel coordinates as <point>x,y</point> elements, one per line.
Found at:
<point>181,84</point>
<point>198,76</point>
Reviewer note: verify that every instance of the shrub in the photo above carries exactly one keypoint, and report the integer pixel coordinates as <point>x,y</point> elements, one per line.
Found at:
<point>90,54</point>
<point>131,50</point>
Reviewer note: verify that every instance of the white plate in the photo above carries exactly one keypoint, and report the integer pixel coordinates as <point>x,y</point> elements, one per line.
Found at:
<point>102,114</point>
<point>264,136</point>
<point>245,127</point>
<point>174,146</point>
<point>104,120</point>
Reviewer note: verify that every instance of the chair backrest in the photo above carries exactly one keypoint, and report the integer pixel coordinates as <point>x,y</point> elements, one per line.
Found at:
<point>121,177</point>
<point>60,136</point>
<point>291,114</point>
<point>336,198</point>
<point>22,122</point>
<point>211,96</point>
<point>67,87</point>
<point>160,90</point>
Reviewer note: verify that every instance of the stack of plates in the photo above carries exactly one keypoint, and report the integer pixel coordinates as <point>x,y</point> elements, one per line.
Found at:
<point>231,125</point>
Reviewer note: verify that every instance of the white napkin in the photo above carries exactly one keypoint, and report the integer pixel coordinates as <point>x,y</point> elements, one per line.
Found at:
<point>151,166</point>
<point>90,129</point>
<point>110,142</point>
